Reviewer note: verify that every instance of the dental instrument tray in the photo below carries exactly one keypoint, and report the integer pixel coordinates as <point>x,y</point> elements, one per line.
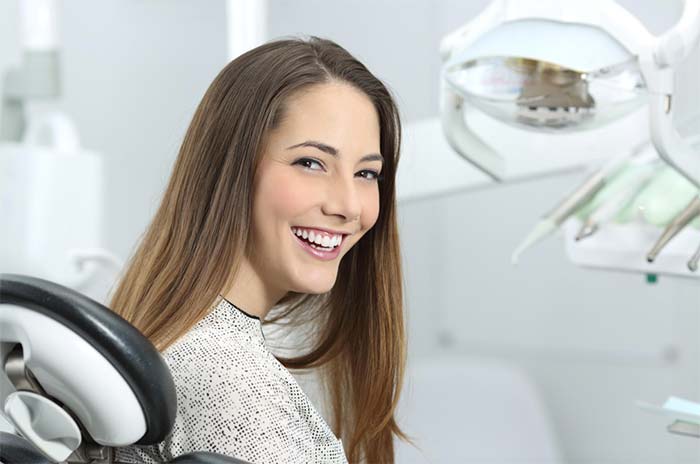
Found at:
<point>624,247</point>
<point>685,428</point>
<point>685,413</point>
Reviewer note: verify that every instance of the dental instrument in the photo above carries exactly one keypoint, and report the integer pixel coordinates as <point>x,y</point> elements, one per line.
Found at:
<point>551,221</point>
<point>626,239</point>
<point>607,211</point>
<point>694,260</point>
<point>690,212</point>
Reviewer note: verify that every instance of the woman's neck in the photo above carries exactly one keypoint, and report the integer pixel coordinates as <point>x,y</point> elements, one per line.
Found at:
<point>250,293</point>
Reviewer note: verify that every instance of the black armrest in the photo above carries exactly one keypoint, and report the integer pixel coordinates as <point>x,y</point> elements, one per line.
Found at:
<point>205,457</point>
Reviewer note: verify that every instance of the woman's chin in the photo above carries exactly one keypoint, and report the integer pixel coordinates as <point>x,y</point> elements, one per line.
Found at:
<point>315,288</point>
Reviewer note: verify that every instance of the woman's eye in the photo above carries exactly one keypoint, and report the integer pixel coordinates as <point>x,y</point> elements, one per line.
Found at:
<point>307,162</point>
<point>373,175</point>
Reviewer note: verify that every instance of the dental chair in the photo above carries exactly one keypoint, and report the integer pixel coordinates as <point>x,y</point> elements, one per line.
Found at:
<point>77,380</point>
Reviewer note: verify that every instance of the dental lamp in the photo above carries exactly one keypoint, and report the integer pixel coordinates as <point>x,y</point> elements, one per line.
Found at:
<point>560,67</point>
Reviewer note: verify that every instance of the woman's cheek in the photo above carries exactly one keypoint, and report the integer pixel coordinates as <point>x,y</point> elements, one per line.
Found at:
<point>290,196</point>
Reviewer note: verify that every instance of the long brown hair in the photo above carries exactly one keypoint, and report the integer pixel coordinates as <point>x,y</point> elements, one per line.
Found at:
<point>192,249</point>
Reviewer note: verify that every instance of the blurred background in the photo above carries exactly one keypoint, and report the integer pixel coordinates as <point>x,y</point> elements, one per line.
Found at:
<point>535,363</point>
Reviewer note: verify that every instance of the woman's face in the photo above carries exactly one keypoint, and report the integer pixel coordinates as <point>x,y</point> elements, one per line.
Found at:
<point>316,180</point>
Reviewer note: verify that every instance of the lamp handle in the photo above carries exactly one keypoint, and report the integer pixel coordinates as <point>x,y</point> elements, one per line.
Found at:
<point>463,140</point>
<point>677,43</point>
<point>658,69</point>
<point>668,142</point>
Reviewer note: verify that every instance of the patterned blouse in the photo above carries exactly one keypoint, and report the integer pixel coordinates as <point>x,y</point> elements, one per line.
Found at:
<point>235,398</point>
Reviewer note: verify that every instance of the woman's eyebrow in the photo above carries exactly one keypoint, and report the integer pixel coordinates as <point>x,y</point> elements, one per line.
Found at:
<point>334,151</point>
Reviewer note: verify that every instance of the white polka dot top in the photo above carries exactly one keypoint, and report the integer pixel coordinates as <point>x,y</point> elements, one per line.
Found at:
<point>235,398</point>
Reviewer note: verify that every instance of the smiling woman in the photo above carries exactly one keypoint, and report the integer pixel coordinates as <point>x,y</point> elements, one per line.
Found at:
<point>280,209</point>
<point>324,188</point>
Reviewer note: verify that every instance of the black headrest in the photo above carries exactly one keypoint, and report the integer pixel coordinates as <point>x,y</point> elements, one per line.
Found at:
<point>132,354</point>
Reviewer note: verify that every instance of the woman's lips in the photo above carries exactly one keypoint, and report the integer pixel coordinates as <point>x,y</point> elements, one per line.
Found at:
<point>315,252</point>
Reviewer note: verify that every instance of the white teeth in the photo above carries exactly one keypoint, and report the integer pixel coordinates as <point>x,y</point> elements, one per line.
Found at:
<point>318,239</point>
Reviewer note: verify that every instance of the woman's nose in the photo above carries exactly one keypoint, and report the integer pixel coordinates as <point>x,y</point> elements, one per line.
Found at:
<point>343,199</point>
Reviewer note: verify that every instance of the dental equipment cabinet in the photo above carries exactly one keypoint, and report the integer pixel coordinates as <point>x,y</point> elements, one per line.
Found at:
<point>50,187</point>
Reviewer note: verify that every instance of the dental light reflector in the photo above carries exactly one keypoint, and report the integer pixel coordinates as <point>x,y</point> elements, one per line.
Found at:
<point>563,66</point>
<point>525,73</point>
<point>540,95</point>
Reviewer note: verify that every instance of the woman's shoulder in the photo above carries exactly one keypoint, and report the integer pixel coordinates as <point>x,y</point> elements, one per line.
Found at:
<point>209,347</point>
<point>219,332</point>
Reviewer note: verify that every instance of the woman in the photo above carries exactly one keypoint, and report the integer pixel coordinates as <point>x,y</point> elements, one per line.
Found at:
<point>294,142</point>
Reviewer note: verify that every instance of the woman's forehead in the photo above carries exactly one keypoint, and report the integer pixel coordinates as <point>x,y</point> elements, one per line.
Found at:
<point>333,113</point>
